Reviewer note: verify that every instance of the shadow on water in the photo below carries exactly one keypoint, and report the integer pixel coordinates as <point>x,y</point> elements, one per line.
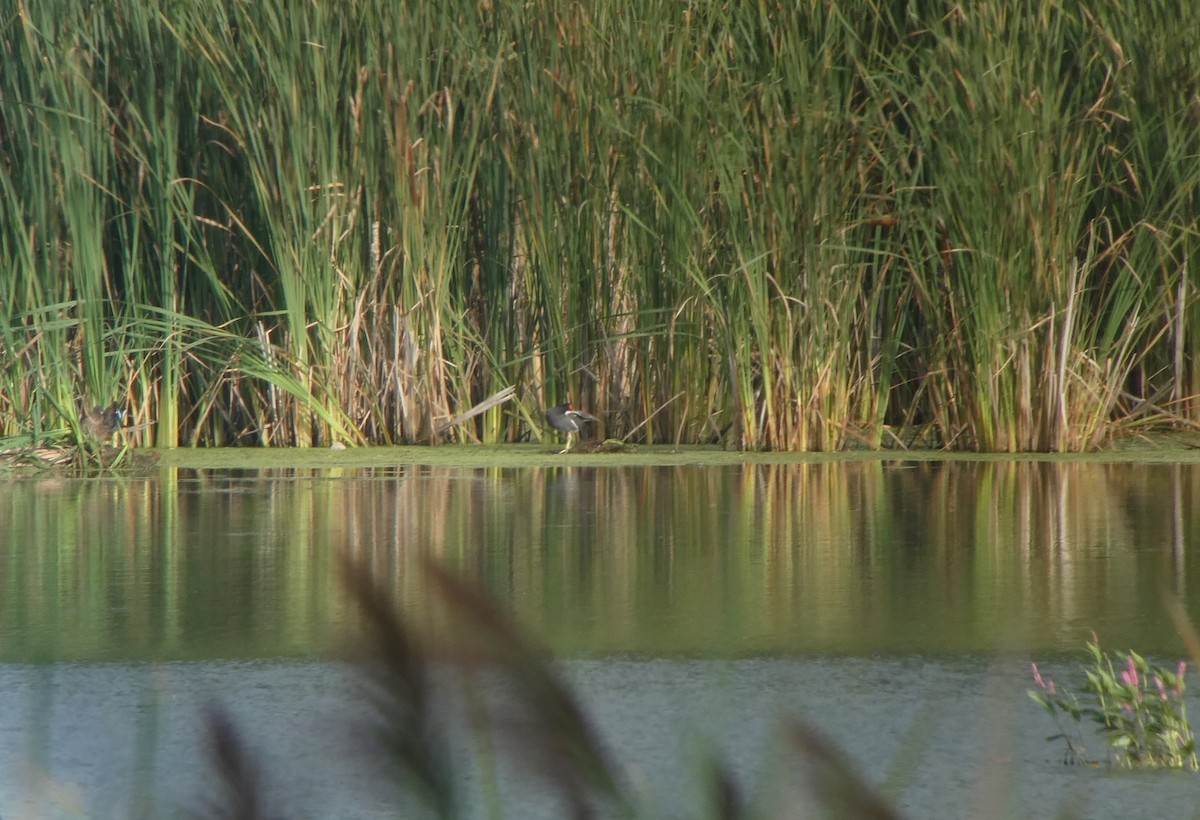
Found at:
<point>702,617</point>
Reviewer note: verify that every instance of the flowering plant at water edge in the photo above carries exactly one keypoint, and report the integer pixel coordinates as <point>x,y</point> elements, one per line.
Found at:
<point>1139,710</point>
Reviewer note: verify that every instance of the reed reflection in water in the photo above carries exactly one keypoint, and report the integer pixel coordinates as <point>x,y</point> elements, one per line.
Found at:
<point>844,558</point>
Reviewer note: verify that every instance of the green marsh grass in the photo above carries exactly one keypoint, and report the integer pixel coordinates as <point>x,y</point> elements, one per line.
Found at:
<point>777,226</point>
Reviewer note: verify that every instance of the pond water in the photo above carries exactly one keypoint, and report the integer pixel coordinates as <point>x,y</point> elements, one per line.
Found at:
<point>695,610</point>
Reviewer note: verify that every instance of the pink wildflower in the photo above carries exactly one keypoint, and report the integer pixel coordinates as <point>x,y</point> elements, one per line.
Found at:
<point>1162,690</point>
<point>1129,676</point>
<point>1046,685</point>
<point>1037,676</point>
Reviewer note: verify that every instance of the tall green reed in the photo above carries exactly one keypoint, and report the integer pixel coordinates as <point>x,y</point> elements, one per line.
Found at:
<point>773,226</point>
<point>55,183</point>
<point>1038,297</point>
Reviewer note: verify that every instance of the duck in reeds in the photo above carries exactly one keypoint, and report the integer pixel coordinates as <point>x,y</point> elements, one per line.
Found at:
<point>101,422</point>
<point>566,419</point>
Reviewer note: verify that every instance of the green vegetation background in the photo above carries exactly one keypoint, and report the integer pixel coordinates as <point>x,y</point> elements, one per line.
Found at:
<point>792,225</point>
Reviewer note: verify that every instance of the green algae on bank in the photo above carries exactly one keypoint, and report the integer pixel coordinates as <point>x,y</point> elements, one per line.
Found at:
<point>539,455</point>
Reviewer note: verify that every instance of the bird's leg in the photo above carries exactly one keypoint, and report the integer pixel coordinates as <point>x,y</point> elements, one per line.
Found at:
<point>566,449</point>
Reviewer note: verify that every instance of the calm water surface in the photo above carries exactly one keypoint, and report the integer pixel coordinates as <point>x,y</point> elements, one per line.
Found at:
<point>894,606</point>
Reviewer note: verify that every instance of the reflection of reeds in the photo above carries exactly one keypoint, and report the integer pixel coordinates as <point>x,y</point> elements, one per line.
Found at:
<point>983,541</point>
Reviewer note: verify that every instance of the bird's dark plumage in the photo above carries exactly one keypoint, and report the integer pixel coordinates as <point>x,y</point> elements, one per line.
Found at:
<point>101,422</point>
<point>566,419</point>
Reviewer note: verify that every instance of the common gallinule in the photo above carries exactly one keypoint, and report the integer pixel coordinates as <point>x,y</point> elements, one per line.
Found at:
<point>566,419</point>
<point>101,422</point>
